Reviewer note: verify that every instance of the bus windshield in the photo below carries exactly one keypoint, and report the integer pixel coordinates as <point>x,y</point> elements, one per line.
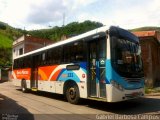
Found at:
<point>126,58</point>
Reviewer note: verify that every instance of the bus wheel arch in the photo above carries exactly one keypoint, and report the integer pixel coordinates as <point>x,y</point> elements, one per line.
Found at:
<point>23,85</point>
<point>71,91</point>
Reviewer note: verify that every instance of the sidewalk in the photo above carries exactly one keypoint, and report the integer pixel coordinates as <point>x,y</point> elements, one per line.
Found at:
<point>153,94</point>
<point>153,91</point>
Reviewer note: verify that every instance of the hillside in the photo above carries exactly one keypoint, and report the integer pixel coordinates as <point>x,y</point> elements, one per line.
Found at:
<point>9,31</point>
<point>71,29</point>
<point>5,42</point>
<point>5,50</point>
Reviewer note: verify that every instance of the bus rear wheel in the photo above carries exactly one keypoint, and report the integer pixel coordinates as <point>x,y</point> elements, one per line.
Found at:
<point>24,86</point>
<point>72,94</point>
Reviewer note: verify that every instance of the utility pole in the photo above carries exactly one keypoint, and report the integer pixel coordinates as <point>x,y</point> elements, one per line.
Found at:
<point>63,20</point>
<point>63,24</point>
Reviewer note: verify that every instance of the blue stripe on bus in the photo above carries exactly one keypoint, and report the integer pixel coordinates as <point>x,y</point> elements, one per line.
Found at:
<point>111,74</point>
<point>61,73</point>
<point>70,75</point>
<point>66,75</point>
<point>83,65</point>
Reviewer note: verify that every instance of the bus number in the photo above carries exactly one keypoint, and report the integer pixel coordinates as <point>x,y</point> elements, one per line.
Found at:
<point>70,74</point>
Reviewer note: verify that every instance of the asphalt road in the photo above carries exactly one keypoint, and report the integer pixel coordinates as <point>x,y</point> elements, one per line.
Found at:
<point>48,106</point>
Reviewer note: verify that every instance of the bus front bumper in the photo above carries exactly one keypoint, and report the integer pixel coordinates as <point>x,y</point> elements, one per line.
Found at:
<point>116,95</point>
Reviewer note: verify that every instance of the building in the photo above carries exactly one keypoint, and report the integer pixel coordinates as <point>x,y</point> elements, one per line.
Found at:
<point>150,46</point>
<point>27,43</point>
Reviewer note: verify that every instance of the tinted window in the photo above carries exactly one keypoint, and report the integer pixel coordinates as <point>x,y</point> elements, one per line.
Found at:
<point>74,52</point>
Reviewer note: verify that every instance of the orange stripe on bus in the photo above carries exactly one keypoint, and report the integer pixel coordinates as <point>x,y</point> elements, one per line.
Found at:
<point>42,75</point>
<point>54,77</point>
<point>48,69</point>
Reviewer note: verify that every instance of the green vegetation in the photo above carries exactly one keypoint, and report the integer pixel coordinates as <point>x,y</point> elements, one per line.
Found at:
<point>5,57</point>
<point>6,38</point>
<point>152,90</point>
<point>9,31</point>
<point>5,50</point>
<point>5,42</point>
<point>147,90</point>
<point>72,29</point>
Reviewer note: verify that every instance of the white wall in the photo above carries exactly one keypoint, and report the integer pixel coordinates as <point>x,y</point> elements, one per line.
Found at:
<point>17,44</point>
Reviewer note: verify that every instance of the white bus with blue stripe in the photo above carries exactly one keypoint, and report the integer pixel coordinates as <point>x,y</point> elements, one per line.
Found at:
<point>103,64</point>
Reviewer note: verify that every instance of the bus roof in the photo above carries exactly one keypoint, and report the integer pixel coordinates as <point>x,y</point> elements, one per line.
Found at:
<point>72,39</point>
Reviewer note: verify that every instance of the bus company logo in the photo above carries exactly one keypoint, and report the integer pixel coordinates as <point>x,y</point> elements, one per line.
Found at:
<point>22,72</point>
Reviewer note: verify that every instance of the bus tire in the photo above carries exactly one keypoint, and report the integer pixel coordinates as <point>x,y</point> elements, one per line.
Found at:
<point>24,86</point>
<point>72,94</point>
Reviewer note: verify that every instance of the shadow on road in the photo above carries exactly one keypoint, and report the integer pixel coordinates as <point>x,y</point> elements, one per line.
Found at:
<point>137,106</point>
<point>11,110</point>
<point>2,81</point>
<point>47,94</point>
<point>131,107</point>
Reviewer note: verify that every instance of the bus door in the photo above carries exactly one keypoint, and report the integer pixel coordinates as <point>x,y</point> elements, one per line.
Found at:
<point>96,60</point>
<point>34,72</point>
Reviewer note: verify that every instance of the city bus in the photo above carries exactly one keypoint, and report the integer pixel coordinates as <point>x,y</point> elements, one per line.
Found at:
<point>103,64</point>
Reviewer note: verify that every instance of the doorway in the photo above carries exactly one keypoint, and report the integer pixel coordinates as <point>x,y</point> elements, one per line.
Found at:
<point>97,69</point>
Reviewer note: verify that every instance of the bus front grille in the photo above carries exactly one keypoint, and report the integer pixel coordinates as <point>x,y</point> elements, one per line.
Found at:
<point>133,80</point>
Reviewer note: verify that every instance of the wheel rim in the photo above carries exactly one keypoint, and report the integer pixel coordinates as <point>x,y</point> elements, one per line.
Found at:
<point>72,93</point>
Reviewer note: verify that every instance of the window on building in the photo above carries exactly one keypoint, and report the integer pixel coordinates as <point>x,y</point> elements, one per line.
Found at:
<point>20,51</point>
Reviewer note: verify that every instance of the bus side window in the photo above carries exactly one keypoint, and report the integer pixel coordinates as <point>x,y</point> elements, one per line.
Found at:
<point>29,61</point>
<point>21,63</point>
<point>57,55</point>
<point>15,64</point>
<point>39,60</point>
<point>49,57</point>
<point>66,53</point>
<point>73,52</point>
<point>80,51</point>
<point>44,58</point>
<point>24,62</point>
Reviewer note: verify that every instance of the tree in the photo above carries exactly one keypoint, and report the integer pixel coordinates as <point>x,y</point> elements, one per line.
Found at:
<point>2,26</point>
<point>70,29</point>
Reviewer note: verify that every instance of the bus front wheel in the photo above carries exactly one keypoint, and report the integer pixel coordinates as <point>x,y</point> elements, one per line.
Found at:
<point>72,94</point>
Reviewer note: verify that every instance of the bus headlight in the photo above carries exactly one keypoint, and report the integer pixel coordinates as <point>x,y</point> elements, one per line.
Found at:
<point>117,85</point>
